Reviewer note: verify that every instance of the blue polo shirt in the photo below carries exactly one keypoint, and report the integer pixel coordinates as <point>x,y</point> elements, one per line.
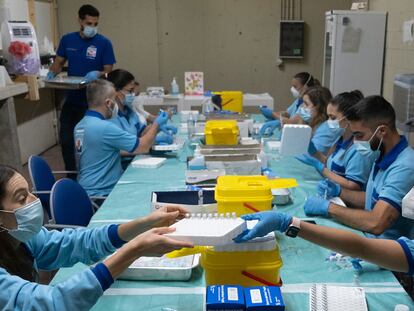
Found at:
<point>347,162</point>
<point>97,145</point>
<point>129,121</point>
<point>408,247</point>
<point>293,108</point>
<point>84,55</point>
<point>391,178</point>
<point>325,137</point>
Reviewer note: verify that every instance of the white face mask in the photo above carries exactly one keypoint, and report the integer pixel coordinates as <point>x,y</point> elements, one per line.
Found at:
<point>364,146</point>
<point>29,221</point>
<point>295,93</point>
<point>114,111</point>
<point>90,31</point>
<point>408,205</point>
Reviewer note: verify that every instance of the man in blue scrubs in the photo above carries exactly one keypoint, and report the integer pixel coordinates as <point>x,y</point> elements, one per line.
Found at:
<point>376,211</point>
<point>99,143</point>
<point>89,55</point>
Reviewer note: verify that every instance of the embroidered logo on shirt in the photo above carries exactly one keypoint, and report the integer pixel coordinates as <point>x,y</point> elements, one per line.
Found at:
<point>91,52</point>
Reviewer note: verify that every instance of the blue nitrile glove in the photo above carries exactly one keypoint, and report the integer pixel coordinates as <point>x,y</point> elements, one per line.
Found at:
<point>163,139</point>
<point>316,206</point>
<point>311,148</point>
<point>328,187</point>
<point>309,160</point>
<point>162,118</point>
<point>168,129</point>
<point>268,222</point>
<point>267,112</point>
<point>92,76</point>
<point>50,75</point>
<point>269,127</point>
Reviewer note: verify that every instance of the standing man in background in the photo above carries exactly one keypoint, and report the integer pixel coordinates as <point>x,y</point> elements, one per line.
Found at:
<point>89,55</point>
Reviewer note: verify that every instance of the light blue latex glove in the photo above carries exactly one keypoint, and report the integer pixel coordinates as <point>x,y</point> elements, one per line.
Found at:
<point>162,118</point>
<point>309,160</point>
<point>169,129</point>
<point>163,139</point>
<point>316,206</point>
<point>267,112</point>
<point>328,187</point>
<point>312,149</point>
<point>269,127</point>
<point>50,75</point>
<point>92,76</point>
<point>268,222</point>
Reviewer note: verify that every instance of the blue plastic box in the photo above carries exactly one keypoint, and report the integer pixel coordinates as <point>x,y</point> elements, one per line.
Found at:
<point>225,298</point>
<point>262,298</point>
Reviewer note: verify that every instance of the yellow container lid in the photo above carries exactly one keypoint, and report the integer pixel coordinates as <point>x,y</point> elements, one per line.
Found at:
<point>221,125</point>
<point>242,187</point>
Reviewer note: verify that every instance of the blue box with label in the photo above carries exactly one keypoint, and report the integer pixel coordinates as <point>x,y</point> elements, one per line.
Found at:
<point>260,298</point>
<point>225,298</point>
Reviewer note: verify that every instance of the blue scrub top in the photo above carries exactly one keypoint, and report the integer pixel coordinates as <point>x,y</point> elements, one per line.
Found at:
<point>129,121</point>
<point>325,137</point>
<point>52,250</point>
<point>84,55</point>
<point>293,108</point>
<point>391,178</point>
<point>97,145</point>
<point>408,247</point>
<point>347,162</point>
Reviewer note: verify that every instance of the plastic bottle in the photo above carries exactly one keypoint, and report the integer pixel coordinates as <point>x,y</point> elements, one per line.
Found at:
<point>190,126</point>
<point>174,87</point>
<point>207,106</point>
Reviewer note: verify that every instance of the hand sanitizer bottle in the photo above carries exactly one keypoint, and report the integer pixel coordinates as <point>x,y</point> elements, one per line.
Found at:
<point>174,87</point>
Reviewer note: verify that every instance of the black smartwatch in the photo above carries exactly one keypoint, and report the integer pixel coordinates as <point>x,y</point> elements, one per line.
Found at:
<point>294,228</point>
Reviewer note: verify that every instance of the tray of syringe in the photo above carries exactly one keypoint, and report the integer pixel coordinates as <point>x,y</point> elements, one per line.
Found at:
<point>208,229</point>
<point>66,83</point>
<point>161,268</point>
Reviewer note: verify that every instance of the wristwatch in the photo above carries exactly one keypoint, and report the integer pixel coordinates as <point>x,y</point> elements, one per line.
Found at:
<point>294,228</point>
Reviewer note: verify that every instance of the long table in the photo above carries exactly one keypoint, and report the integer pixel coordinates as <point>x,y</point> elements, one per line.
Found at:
<point>303,263</point>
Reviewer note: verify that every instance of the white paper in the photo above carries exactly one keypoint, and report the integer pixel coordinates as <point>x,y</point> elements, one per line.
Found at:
<point>408,31</point>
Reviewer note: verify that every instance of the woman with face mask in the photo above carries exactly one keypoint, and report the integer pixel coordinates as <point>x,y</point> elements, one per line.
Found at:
<point>299,84</point>
<point>127,118</point>
<point>345,165</point>
<point>26,246</point>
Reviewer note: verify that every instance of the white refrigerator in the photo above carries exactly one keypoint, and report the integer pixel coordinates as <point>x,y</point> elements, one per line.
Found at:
<point>354,51</point>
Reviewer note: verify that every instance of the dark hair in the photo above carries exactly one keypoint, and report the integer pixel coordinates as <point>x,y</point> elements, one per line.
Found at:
<point>373,110</point>
<point>120,78</point>
<point>305,78</point>
<point>320,97</point>
<point>87,9</point>
<point>14,256</point>
<point>346,100</point>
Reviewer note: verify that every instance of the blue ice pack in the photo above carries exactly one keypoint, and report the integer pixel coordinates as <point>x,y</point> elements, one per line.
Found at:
<point>262,298</point>
<point>225,298</point>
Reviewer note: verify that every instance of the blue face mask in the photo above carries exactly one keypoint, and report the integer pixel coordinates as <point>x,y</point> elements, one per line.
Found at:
<point>364,146</point>
<point>29,220</point>
<point>129,99</point>
<point>335,127</point>
<point>305,114</point>
<point>90,31</point>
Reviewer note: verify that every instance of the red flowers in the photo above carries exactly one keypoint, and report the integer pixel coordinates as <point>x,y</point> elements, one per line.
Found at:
<point>19,49</point>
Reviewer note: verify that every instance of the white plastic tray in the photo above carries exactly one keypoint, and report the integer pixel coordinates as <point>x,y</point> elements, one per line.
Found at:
<point>177,145</point>
<point>161,268</point>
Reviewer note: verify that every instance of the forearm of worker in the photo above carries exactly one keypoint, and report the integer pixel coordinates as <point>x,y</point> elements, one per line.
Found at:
<point>385,253</point>
<point>342,181</point>
<point>293,120</point>
<point>131,229</point>
<point>376,221</point>
<point>107,68</point>
<point>352,198</point>
<point>320,156</point>
<point>147,140</point>
<point>121,260</point>
<point>58,64</point>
